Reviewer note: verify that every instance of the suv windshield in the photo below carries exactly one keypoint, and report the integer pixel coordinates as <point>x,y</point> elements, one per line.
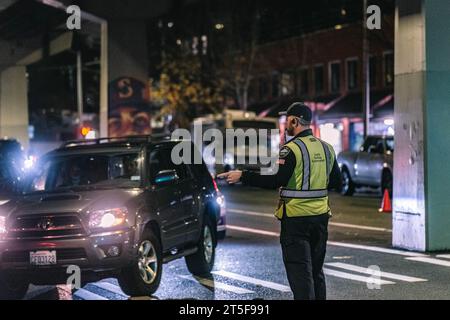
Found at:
<point>87,171</point>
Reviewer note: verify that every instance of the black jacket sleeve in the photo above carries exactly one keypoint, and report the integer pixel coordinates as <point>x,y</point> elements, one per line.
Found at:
<point>286,166</point>
<point>335,181</point>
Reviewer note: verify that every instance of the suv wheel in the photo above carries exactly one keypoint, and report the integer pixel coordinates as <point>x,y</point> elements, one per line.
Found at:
<point>348,187</point>
<point>12,288</point>
<point>202,262</point>
<point>142,278</point>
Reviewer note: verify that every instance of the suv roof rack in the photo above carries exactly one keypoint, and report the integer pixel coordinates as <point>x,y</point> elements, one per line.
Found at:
<point>135,138</point>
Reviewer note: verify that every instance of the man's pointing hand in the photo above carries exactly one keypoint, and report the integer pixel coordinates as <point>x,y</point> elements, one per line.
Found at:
<point>232,177</point>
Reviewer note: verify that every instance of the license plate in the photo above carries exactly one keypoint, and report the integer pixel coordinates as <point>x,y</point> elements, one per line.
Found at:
<point>43,258</point>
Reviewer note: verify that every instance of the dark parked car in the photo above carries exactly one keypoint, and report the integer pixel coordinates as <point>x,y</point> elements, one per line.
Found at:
<point>113,207</point>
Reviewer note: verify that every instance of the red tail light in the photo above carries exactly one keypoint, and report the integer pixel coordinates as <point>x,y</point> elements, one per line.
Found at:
<point>215,184</point>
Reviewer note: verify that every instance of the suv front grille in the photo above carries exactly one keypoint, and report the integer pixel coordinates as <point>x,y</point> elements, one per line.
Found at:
<point>61,254</point>
<point>45,226</point>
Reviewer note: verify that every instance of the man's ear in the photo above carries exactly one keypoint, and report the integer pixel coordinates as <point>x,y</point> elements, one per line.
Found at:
<point>294,122</point>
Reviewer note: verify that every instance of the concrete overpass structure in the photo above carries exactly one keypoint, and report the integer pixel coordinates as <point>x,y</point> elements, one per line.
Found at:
<point>31,31</point>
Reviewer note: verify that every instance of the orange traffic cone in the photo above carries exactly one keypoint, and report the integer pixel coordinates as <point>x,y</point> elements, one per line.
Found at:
<point>386,205</point>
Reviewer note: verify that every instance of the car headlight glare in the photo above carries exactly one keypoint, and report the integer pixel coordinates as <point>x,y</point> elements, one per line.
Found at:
<point>108,218</point>
<point>220,201</point>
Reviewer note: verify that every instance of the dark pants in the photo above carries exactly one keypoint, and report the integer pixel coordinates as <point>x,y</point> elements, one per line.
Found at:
<point>303,241</point>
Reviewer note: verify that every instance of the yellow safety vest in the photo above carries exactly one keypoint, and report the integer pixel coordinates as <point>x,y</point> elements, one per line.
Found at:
<point>306,193</point>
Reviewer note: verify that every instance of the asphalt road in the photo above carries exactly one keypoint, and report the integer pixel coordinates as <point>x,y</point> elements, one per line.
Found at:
<point>360,263</point>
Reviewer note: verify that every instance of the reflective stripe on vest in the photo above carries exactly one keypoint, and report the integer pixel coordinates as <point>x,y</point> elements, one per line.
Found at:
<point>300,194</point>
<point>306,163</point>
<point>327,158</point>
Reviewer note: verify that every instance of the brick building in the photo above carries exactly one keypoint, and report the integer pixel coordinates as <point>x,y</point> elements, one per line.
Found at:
<point>324,69</point>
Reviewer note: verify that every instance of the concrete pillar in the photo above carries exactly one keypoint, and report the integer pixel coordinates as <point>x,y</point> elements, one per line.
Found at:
<point>14,104</point>
<point>421,215</point>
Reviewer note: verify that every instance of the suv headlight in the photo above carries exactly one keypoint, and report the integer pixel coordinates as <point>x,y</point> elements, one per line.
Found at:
<point>2,225</point>
<point>108,218</point>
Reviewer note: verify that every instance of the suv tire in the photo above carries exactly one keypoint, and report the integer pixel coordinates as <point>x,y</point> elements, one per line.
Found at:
<point>12,288</point>
<point>142,278</point>
<point>202,262</point>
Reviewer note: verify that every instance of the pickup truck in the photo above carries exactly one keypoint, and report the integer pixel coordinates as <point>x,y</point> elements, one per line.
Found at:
<point>371,166</point>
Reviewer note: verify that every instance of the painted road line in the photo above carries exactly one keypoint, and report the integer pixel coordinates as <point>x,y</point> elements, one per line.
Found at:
<point>251,213</point>
<point>217,285</point>
<point>109,287</point>
<point>258,282</point>
<point>354,277</point>
<point>251,230</point>
<point>334,243</point>
<point>356,226</point>
<point>438,262</point>
<point>443,256</point>
<point>88,295</point>
<point>388,275</point>
<point>376,249</point>
<point>334,224</point>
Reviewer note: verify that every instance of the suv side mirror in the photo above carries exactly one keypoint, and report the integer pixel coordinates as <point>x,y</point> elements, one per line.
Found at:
<point>166,177</point>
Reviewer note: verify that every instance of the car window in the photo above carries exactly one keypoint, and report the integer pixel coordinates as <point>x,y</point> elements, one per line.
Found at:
<point>160,160</point>
<point>97,170</point>
<point>373,145</point>
<point>369,143</point>
<point>379,148</point>
<point>390,144</point>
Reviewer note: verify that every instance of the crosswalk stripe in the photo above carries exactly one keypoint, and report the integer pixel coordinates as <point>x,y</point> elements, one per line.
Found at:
<point>383,274</point>
<point>335,224</point>
<point>88,295</point>
<point>355,277</point>
<point>258,282</point>
<point>217,285</point>
<point>109,287</point>
<point>438,262</point>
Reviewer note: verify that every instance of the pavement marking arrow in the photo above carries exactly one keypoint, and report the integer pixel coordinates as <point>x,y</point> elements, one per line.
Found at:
<point>258,282</point>
<point>354,277</point>
<point>388,275</point>
<point>431,261</point>
<point>217,285</point>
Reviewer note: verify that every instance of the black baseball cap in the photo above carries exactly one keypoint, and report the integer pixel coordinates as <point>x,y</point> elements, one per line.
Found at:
<point>299,110</point>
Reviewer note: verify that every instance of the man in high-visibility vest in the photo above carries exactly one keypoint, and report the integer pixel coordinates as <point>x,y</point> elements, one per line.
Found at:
<point>307,170</point>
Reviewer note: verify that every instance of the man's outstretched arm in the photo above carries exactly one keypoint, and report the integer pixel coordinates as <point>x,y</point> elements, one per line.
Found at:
<point>286,166</point>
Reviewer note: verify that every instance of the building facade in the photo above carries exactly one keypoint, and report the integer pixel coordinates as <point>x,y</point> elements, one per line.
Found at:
<point>324,69</point>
